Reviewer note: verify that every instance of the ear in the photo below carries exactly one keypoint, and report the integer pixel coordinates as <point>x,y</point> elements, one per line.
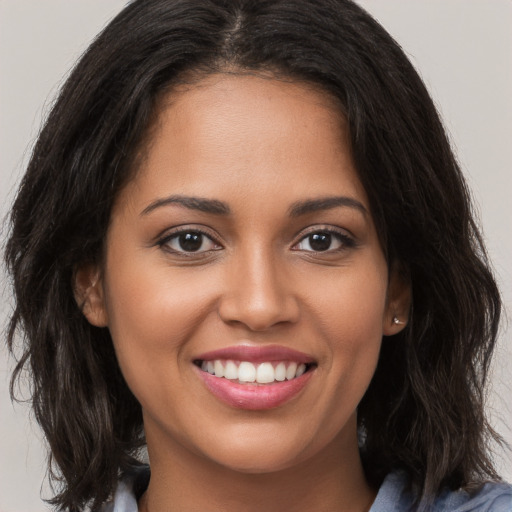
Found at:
<point>398,304</point>
<point>89,294</point>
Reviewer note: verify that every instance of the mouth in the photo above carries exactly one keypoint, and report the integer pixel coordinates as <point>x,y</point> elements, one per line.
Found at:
<point>247,372</point>
<point>255,378</point>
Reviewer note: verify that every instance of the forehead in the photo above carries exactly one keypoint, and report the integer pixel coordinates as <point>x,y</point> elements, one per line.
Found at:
<point>253,134</point>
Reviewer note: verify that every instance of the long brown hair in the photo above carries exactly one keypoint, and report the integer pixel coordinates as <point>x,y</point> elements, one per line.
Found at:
<point>423,411</point>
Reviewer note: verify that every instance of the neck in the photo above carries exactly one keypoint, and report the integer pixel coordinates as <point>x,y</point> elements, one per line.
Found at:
<point>185,482</point>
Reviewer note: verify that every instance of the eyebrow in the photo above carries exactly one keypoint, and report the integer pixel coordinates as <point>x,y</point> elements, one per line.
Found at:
<point>217,207</point>
<point>192,203</point>
<point>325,203</point>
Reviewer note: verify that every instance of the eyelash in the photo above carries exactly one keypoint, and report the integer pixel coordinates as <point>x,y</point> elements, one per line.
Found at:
<point>346,241</point>
<point>164,242</point>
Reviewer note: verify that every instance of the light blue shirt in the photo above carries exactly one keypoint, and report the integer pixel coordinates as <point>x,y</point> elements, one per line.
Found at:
<point>392,497</point>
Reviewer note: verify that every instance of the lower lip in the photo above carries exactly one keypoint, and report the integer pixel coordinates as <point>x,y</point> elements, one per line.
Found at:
<point>253,396</point>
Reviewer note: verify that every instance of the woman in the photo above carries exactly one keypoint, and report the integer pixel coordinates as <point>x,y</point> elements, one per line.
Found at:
<point>243,240</point>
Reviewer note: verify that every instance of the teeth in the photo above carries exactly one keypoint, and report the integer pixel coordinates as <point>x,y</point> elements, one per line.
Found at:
<point>280,372</point>
<point>263,373</point>
<point>290,371</point>
<point>231,370</point>
<point>219,369</point>
<point>246,372</point>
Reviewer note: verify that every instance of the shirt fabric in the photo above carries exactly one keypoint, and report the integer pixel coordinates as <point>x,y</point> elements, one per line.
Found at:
<point>393,496</point>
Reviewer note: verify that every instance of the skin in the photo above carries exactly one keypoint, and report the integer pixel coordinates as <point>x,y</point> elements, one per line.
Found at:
<point>259,146</point>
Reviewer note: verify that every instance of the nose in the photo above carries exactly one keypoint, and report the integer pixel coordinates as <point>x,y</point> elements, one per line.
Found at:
<point>258,293</point>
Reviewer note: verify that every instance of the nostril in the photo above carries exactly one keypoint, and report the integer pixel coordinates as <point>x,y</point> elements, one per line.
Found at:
<point>258,314</point>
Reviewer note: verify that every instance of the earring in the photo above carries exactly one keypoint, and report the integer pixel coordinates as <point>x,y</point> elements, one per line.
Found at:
<point>396,321</point>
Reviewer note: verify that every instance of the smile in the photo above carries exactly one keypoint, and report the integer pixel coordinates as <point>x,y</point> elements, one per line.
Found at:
<point>255,377</point>
<point>246,372</point>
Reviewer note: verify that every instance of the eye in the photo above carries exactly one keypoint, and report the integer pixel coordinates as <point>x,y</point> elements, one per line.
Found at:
<point>189,242</point>
<point>323,241</point>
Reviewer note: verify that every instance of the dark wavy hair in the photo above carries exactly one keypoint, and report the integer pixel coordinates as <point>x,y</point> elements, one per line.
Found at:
<point>423,411</point>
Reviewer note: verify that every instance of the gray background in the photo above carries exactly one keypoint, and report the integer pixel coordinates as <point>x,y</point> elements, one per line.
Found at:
<point>463,49</point>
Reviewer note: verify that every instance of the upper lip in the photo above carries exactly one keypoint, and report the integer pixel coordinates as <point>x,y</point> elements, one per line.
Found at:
<point>256,354</point>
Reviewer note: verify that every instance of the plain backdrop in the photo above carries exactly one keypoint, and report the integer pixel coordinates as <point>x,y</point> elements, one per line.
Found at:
<point>463,50</point>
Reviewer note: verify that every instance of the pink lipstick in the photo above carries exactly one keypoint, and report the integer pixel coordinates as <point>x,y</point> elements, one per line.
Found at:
<point>255,377</point>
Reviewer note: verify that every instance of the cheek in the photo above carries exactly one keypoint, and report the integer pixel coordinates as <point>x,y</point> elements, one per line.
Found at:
<point>351,303</point>
<point>349,312</point>
<point>151,313</point>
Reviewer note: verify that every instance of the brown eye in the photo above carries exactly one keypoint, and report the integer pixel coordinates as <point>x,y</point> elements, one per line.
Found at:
<point>190,242</point>
<point>323,241</point>
<point>320,241</point>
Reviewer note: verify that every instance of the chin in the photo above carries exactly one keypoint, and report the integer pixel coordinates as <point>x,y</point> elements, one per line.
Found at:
<point>249,464</point>
<point>266,455</point>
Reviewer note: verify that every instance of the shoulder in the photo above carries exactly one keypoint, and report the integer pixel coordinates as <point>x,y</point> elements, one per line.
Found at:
<point>491,497</point>
<point>395,494</point>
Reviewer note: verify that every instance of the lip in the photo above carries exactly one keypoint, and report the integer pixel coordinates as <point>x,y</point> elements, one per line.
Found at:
<point>256,354</point>
<point>255,396</point>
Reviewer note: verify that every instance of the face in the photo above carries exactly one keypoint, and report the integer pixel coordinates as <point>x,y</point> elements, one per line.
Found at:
<point>243,284</point>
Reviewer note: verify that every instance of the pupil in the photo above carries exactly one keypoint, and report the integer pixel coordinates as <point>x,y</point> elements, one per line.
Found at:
<point>320,241</point>
<point>191,241</point>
